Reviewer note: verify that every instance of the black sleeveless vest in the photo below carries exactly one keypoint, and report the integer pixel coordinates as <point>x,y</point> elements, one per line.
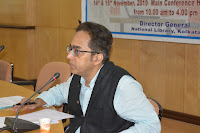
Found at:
<point>100,116</point>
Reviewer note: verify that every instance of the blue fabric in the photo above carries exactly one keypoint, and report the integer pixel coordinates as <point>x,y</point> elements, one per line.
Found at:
<point>130,103</point>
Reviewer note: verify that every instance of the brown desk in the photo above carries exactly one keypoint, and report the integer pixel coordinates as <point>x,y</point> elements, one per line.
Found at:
<point>9,89</point>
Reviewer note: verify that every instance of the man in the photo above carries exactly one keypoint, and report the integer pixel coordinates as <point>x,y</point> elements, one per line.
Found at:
<point>103,97</point>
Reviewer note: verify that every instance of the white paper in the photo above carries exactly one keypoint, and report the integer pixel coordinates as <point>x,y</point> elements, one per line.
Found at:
<point>2,119</point>
<point>9,101</point>
<point>45,113</point>
<point>36,116</point>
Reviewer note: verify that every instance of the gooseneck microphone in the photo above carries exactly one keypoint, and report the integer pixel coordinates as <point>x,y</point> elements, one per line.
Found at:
<point>24,125</point>
<point>2,47</point>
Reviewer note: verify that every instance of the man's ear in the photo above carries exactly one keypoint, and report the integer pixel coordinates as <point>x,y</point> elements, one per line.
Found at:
<point>98,58</point>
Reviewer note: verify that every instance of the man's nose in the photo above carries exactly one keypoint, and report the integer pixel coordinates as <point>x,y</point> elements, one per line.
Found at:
<point>70,56</point>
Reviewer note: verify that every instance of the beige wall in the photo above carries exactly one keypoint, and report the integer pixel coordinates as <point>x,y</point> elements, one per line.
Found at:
<point>168,72</point>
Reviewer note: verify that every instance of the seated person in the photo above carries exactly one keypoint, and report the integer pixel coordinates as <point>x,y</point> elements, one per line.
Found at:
<point>103,97</point>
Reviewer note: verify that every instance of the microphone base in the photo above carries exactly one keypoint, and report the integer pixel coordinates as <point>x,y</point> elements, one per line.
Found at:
<point>21,125</point>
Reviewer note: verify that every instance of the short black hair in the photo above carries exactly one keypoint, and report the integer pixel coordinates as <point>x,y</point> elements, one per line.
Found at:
<point>100,38</point>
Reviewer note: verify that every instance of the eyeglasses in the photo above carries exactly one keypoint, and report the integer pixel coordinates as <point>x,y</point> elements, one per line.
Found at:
<point>76,51</point>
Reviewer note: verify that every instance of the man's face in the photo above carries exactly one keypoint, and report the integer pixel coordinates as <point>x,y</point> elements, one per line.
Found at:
<point>83,63</point>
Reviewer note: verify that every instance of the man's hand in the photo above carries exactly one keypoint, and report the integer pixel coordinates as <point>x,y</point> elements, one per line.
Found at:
<point>39,103</point>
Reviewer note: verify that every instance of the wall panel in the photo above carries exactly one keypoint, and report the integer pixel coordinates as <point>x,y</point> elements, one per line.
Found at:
<point>16,12</point>
<point>162,73</point>
<point>31,54</point>
<point>16,50</point>
<point>70,13</point>
<point>30,12</point>
<point>125,53</point>
<point>47,46</point>
<point>192,88</point>
<point>47,13</point>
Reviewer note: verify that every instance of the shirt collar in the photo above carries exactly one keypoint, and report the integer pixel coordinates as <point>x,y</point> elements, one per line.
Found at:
<point>92,82</point>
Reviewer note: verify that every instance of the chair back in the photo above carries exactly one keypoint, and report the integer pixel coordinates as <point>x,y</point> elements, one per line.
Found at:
<point>48,71</point>
<point>158,108</point>
<point>6,71</point>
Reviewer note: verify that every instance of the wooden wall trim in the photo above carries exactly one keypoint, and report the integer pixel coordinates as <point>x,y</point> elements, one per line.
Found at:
<point>181,116</point>
<point>17,27</point>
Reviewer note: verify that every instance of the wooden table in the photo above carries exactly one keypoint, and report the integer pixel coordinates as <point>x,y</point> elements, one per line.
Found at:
<point>10,89</point>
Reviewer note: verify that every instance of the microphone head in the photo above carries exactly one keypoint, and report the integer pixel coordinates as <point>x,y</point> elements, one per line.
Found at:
<point>56,75</point>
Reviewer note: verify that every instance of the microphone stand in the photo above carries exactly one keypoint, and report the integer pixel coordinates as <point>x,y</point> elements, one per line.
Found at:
<point>16,117</point>
<point>15,127</point>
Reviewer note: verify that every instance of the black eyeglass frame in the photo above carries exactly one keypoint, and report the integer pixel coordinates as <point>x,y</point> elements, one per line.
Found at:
<point>69,48</point>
